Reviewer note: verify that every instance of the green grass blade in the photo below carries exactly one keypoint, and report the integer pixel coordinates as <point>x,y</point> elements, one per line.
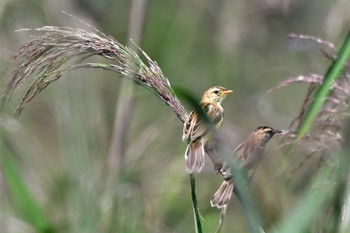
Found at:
<point>243,194</point>
<point>24,202</point>
<point>197,220</point>
<point>323,91</point>
<point>181,92</point>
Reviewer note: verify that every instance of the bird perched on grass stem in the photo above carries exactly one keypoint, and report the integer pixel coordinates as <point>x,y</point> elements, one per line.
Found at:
<point>248,154</point>
<point>196,131</point>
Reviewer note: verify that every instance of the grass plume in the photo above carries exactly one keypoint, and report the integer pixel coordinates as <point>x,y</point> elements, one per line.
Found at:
<point>322,113</point>
<point>317,131</point>
<point>62,49</point>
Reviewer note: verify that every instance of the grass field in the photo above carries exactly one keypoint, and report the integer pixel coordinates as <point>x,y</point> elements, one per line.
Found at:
<point>94,152</point>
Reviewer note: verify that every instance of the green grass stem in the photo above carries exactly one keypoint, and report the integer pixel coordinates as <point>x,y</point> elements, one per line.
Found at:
<point>323,90</point>
<point>197,220</point>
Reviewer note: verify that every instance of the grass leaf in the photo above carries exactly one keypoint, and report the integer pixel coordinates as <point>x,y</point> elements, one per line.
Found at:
<point>26,205</point>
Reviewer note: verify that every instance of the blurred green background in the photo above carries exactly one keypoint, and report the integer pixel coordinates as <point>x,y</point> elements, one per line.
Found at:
<point>60,143</point>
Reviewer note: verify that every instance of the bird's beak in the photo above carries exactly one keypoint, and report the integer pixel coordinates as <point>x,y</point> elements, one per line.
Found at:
<point>277,131</point>
<point>226,92</point>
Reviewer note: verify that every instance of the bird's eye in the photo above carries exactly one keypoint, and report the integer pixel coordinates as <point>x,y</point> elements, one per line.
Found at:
<point>269,131</point>
<point>216,92</point>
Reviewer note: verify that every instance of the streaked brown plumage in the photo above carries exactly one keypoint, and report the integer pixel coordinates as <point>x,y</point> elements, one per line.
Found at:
<point>248,154</point>
<point>195,130</point>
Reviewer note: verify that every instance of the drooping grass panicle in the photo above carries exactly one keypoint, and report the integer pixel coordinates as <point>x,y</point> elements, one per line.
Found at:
<point>311,78</point>
<point>317,130</point>
<point>61,49</point>
<point>313,39</point>
<point>325,133</point>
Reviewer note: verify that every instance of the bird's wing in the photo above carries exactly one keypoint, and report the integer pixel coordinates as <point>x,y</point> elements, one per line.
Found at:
<point>248,156</point>
<point>187,127</point>
<point>193,128</point>
<point>198,128</point>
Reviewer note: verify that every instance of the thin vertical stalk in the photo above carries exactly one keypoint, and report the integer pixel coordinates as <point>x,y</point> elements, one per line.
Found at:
<point>126,98</point>
<point>344,215</point>
<point>197,220</point>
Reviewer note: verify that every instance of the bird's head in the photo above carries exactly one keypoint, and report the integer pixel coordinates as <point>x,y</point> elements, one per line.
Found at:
<point>265,133</point>
<point>215,94</point>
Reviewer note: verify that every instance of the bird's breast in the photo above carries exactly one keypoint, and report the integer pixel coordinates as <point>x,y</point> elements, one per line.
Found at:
<point>215,113</point>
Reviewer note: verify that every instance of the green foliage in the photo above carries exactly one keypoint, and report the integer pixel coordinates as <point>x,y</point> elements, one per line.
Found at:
<point>26,205</point>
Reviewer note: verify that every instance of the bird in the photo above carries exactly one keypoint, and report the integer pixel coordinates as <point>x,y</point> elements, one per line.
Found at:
<point>197,132</point>
<point>248,154</point>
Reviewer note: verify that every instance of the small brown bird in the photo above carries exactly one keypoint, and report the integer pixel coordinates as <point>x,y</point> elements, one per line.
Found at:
<point>249,153</point>
<point>195,130</point>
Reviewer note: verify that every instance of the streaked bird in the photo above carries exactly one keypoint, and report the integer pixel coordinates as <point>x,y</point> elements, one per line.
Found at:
<point>196,131</point>
<point>248,154</point>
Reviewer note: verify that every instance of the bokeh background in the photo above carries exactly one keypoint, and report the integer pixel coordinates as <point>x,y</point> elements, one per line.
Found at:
<point>62,141</point>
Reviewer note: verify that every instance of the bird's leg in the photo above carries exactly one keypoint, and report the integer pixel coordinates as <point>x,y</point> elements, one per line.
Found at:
<point>215,158</point>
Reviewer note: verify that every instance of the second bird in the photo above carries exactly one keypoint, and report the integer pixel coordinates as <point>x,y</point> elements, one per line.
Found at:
<point>248,154</point>
<point>196,131</point>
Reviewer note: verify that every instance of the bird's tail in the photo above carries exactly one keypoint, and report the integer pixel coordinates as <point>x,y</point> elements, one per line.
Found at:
<point>223,195</point>
<point>195,157</point>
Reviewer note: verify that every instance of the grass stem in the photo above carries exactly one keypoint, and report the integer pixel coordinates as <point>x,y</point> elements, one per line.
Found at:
<point>323,90</point>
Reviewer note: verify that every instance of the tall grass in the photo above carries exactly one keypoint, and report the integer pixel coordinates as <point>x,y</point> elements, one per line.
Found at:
<point>327,189</point>
<point>49,53</point>
<point>50,56</point>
